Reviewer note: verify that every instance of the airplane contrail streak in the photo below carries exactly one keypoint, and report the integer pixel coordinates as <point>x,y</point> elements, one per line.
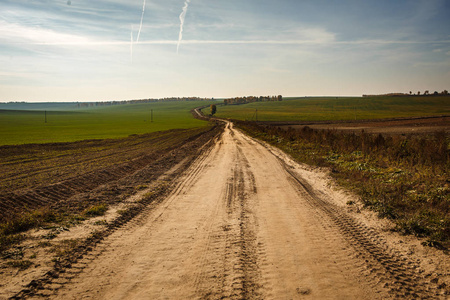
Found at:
<point>182,17</point>
<point>142,18</point>
<point>131,45</point>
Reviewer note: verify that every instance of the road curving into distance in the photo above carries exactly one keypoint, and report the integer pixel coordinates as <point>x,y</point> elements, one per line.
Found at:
<point>245,222</point>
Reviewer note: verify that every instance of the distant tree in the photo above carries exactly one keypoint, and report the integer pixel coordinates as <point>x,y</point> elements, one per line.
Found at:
<point>418,93</point>
<point>435,93</point>
<point>444,92</point>
<point>213,109</point>
<point>410,92</point>
<point>426,92</point>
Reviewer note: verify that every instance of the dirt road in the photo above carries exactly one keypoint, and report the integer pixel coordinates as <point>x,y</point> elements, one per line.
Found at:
<point>245,222</point>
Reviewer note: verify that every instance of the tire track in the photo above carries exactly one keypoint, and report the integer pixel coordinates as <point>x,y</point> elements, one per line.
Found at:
<point>394,272</point>
<point>229,268</point>
<point>385,268</point>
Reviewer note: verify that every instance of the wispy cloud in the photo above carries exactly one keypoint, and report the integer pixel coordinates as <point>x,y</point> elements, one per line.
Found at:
<point>18,34</point>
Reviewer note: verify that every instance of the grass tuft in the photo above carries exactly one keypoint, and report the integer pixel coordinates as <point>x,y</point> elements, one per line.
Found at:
<point>20,264</point>
<point>27,221</point>
<point>141,187</point>
<point>10,231</point>
<point>96,210</point>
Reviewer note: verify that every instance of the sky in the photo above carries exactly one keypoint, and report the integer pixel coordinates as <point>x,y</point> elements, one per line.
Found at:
<point>85,50</point>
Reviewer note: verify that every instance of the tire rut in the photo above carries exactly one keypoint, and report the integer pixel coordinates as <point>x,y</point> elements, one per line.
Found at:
<point>403,278</point>
<point>230,268</point>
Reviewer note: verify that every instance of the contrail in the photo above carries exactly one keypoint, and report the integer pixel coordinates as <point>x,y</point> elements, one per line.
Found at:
<point>131,44</point>
<point>182,17</point>
<point>142,18</point>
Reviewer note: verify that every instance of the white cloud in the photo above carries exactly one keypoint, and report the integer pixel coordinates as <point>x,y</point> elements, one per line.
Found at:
<point>314,35</point>
<point>18,34</point>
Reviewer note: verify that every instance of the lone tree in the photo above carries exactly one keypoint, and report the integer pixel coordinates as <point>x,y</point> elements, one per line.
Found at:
<point>213,109</point>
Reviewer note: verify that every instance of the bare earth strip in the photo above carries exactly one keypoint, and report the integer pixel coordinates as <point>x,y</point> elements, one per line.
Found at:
<point>245,223</point>
<point>402,126</point>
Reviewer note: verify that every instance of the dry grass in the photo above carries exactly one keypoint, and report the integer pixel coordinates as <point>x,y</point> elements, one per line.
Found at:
<point>20,264</point>
<point>402,178</point>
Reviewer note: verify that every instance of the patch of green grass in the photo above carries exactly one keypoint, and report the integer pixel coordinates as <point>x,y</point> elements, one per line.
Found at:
<point>6,240</point>
<point>10,230</point>
<point>101,223</point>
<point>27,221</point>
<point>96,210</point>
<point>141,187</point>
<point>20,264</point>
<point>75,124</point>
<point>338,108</point>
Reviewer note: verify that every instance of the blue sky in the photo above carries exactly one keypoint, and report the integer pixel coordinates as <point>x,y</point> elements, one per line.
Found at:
<point>83,50</point>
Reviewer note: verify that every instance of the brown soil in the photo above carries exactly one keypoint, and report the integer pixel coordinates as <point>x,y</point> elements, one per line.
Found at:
<point>391,126</point>
<point>68,177</point>
<point>247,222</point>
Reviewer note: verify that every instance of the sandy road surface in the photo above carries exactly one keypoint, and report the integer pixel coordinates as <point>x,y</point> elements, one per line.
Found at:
<point>243,224</point>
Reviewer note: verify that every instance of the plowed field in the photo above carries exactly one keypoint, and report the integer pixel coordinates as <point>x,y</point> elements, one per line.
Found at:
<point>71,176</point>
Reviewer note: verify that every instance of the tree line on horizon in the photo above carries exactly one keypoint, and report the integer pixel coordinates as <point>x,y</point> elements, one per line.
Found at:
<point>425,93</point>
<point>138,101</point>
<point>250,99</point>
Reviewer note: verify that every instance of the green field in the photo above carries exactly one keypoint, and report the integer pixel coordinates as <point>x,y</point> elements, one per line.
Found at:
<point>22,123</point>
<point>341,108</point>
<point>25,123</point>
